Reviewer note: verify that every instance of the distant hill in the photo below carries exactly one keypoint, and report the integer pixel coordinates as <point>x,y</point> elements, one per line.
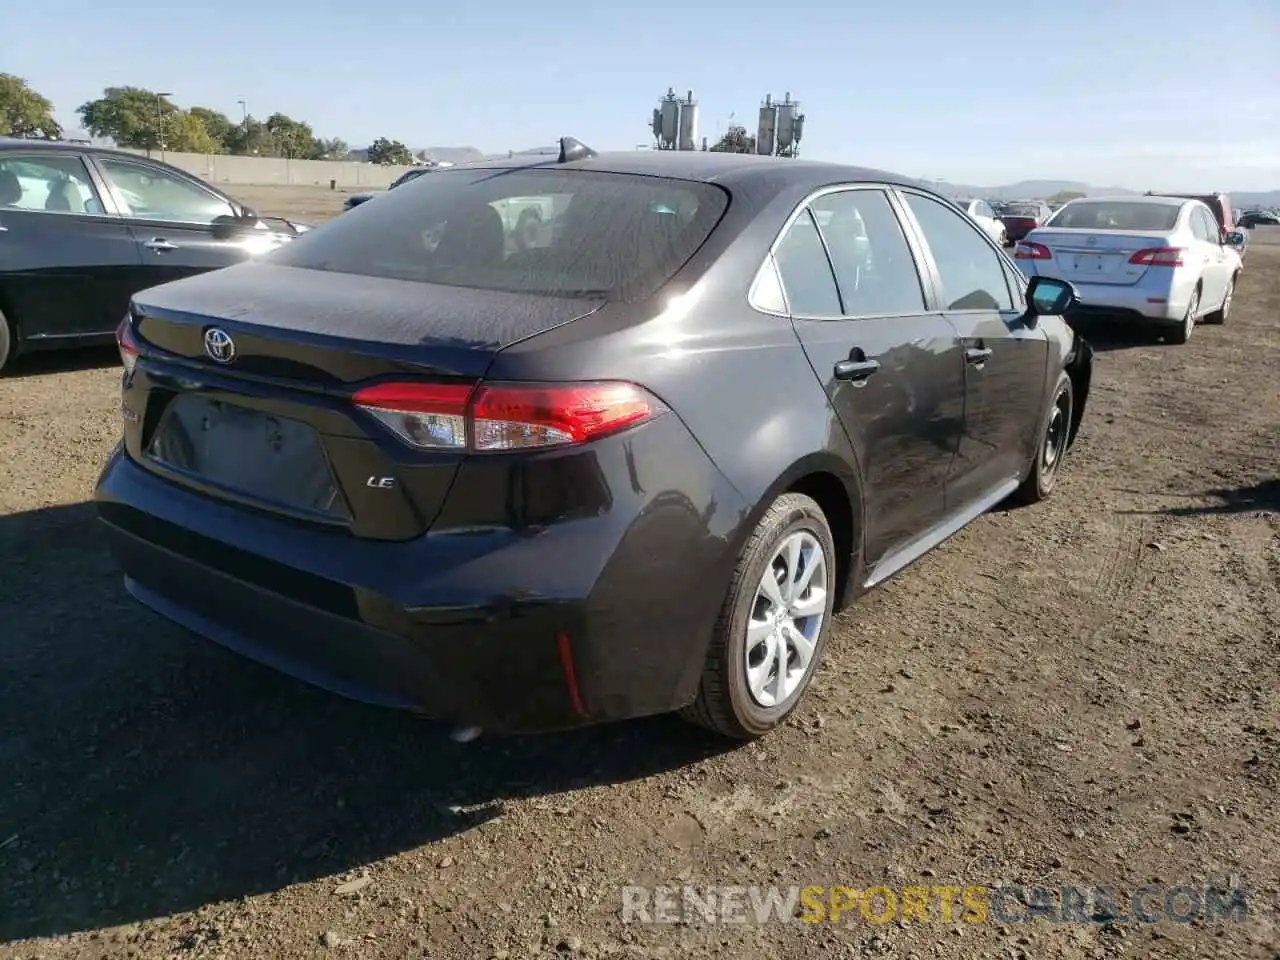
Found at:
<point>1027,190</point>
<point>1042,189</point>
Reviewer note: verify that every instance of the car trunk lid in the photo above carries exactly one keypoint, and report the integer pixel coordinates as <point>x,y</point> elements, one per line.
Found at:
<point>268,421</point>
<point>1095,256</point>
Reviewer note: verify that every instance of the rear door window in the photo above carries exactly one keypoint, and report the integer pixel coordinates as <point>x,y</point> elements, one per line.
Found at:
<point>542,231</point>
<point>874,268</point>
<point>50,184</point>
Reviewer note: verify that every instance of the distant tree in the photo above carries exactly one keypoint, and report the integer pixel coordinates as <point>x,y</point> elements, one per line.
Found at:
<point>386,151</point>
<point>292,138</point>
<point>129,116</point>
<point>23,112</point>
<point>1065,195</point>
<point>219,126</point>
<point>735,140</point>
<point>252,139</point>
<point>187,133</point>
<point>332,149</point>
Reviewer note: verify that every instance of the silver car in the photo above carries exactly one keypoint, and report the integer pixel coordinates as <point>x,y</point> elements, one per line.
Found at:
<point>1149,259</point>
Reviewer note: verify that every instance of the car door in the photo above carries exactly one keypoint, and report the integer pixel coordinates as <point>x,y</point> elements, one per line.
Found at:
<point>891,368</point>
<point>171,219</point>
<point>1005,358</point>
<point>1213,257</point>
<point>65,257</point>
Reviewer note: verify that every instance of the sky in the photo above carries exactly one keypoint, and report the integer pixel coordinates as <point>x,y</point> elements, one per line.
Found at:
<point>1174,95</point>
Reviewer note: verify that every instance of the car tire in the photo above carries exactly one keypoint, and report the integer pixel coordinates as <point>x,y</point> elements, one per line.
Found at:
<point>7,341</point>
<point>1182,332</point>
<point>1220,315</point>
<point>739,695</point>
<point>1052,440</point>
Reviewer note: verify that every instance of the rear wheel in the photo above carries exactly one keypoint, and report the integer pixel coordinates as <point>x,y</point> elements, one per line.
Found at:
<point>1182,332</point>
<point>6,341</point>
<point>1055,436</point>
<point>773,626</point>
<point>1220,315</point>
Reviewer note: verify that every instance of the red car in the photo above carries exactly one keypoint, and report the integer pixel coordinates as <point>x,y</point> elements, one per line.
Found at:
<point>1219,203</point>
<point>1020,218</point>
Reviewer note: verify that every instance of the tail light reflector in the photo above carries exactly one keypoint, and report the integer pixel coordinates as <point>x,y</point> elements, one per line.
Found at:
<point>1028,250</point>
<point>1158,257</point>
<point>506,416</point>
<point>128,345</point>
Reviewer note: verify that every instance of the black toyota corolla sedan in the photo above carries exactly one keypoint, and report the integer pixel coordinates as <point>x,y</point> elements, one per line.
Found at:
<point>633,468</point>
<point>84,228</point>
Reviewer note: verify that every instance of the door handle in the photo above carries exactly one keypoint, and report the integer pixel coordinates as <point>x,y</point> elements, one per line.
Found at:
<point>159,244</point>
<point>977,356</point>
<point>856,370</point>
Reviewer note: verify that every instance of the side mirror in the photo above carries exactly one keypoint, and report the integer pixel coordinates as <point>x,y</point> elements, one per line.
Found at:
<point>225,227</point>
<point>1235,239</point>
<point>1049,297</point>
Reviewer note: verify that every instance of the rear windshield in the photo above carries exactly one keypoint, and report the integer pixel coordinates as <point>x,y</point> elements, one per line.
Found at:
<point>1021,210</point>
<point>1116,215</point>
<point>542,231</point>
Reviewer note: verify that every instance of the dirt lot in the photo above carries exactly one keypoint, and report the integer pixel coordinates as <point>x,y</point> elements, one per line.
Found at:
<point>1080,693</point>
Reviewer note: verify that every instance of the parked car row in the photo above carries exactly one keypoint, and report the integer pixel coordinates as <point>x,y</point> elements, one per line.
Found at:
<point>634,463</point>
<point>82,229</point>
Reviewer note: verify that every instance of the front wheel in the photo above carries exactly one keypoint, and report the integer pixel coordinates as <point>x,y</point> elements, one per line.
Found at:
<point>1054,438</point>
<point>773,626</point>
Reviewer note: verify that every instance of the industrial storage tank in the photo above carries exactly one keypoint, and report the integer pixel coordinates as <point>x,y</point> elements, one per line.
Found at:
<point>688,124</point>
<point>786,125</point>
<point>766,129</point>
<point>670,109</point>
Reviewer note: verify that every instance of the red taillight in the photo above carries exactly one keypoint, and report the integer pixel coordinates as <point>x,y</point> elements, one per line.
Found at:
<point>1027,250</point>
<point>1158,257</point>
<point>506,416</point>
<point>128,345</point>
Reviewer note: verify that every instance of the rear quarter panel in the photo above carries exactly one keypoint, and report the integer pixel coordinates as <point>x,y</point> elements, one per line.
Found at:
<point>737,378</point>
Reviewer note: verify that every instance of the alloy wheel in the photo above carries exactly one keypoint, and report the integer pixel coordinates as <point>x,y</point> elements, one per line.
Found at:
<point>786,619</point>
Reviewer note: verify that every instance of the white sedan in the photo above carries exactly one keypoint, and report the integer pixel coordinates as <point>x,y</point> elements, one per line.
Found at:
<point>986,218</point>
<point>1148,259</point>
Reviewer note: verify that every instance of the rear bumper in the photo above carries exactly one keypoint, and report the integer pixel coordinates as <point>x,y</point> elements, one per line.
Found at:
<point>1144,301</point>
<point>595,619</point>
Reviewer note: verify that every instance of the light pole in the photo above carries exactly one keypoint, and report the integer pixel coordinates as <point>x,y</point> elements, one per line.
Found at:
<point>160,120</point>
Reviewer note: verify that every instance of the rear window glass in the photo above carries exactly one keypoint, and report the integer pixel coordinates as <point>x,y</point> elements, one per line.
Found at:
<point>1021,210</point>
<point>1116,216</point>
<point>553,232</point>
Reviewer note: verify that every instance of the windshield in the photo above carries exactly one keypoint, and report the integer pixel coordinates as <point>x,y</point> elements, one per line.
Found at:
<point>544,231</point>
<point>1116,215</point>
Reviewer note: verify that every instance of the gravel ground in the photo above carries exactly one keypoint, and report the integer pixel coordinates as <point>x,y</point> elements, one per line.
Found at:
<point>1078,693</point>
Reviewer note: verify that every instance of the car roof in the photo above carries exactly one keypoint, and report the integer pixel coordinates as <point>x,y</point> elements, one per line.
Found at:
<point>707,166</point>
<point>1156,201</point>
<point>18,143</point>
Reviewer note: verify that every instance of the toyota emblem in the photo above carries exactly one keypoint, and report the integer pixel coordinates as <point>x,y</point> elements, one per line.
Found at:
<point>219,346</point>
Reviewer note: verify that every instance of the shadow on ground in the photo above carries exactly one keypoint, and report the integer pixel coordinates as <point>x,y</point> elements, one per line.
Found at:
<point>1107,337</point>
<point>1264,495</point>
<point>149,772</point>
<point>48,362</point>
